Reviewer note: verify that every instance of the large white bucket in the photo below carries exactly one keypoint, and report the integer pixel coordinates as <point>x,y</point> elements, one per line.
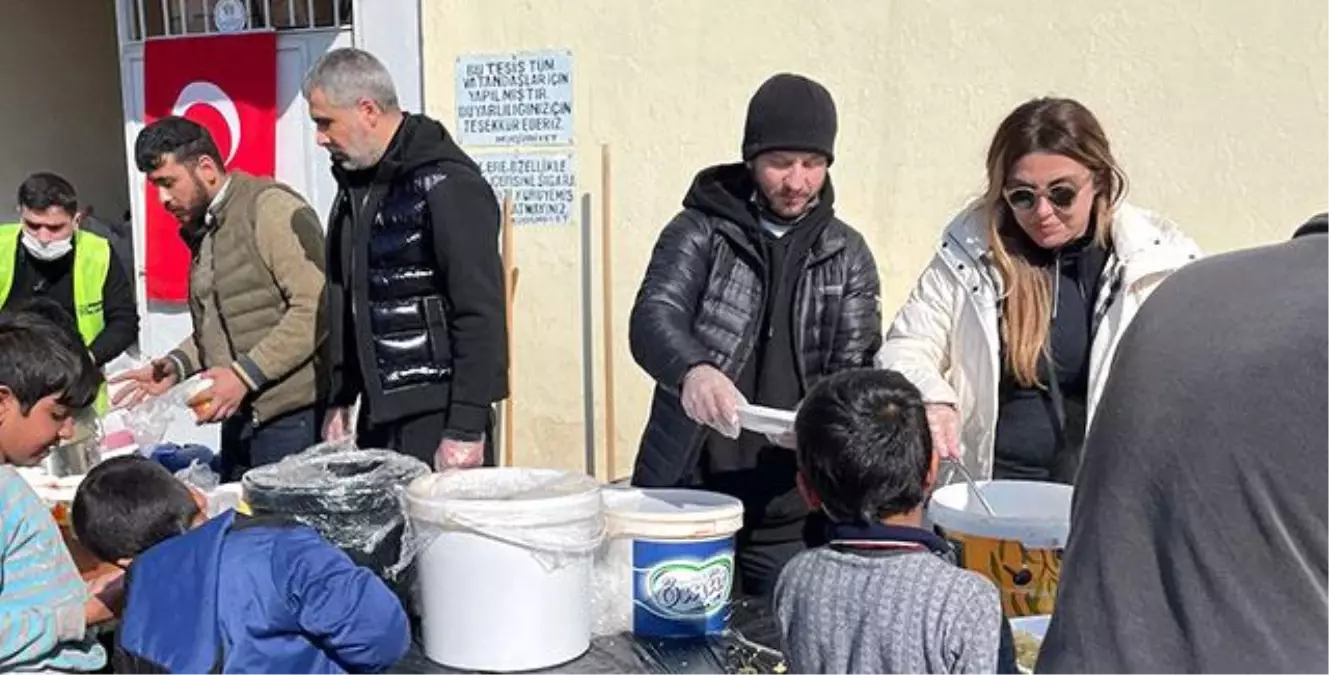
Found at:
<point>505,572</point>
<point>1019,548</point>
<point>669,561</point>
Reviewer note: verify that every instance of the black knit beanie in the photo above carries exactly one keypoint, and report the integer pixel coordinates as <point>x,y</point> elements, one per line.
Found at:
<point>790,112</point>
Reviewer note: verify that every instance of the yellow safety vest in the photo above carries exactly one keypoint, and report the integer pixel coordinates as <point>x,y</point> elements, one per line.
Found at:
<point>92,260</point>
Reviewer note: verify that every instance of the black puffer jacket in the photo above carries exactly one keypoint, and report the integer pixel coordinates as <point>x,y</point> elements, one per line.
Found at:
<point>415,284</point>
<point>702,299</point>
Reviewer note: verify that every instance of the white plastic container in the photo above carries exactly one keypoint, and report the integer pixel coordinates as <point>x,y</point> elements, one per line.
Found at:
<point>505,569</point>
<point>668,565</point>
<point>1019,548</point>
<point>225,496</point>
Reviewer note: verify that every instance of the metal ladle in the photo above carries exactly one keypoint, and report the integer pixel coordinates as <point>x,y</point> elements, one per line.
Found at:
<point>958,465</point>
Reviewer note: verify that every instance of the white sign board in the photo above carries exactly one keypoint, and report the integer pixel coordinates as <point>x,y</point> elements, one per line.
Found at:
<point>515,99</point>
<point>543,186</point>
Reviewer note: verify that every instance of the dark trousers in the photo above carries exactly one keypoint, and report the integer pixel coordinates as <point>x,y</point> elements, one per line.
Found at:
<point>417,436</point>
<point>245,446</point>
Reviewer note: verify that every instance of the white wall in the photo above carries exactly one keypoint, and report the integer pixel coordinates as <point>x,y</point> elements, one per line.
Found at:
<point>61,88</point>
<point>1217,110</point>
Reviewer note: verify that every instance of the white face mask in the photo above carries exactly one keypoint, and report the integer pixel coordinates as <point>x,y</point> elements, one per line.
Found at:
<point>52,250</point>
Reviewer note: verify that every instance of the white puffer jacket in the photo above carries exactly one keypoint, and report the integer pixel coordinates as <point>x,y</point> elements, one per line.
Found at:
<point>946,338</point>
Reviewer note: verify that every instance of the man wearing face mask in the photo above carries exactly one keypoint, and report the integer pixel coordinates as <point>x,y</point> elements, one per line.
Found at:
<point>48,255</point>
<point>755,292</point>
<point>255,297</point>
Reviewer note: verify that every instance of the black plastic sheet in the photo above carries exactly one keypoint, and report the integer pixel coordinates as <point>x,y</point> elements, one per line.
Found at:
<point>750,646</point>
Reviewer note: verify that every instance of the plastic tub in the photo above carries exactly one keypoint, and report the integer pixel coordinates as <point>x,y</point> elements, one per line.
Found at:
<point>504,566</point>
<point>673,552</point>
<point>1020,547</point>
<point>352,497</point>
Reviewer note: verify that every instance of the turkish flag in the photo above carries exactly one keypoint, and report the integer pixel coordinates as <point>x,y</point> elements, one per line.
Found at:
<point>227,83</point>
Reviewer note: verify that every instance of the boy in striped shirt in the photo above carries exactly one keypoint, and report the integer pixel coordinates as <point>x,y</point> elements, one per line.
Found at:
<point>46,377</point>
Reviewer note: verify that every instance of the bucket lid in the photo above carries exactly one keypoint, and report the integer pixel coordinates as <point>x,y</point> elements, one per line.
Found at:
<point>671,513</point>
<point>535,496</point>
<point>1034,513</point>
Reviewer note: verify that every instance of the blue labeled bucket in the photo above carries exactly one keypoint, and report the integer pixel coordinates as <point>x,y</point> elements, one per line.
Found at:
<point>678,546</point>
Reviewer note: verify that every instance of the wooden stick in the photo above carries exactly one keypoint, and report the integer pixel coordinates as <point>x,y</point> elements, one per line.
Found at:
<point>588,336</point>
<point>510,286</point>
<point>607,277</point>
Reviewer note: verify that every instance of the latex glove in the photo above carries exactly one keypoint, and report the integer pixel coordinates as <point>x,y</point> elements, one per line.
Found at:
<point>455,454</point>
<point>337,426</point>
<point>154,379</point>
<point>787,440</point>
<point>711,399</point>
<point>944,425</point>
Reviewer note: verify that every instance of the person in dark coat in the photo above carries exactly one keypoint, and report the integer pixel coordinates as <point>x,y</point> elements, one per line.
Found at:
<point>754,292</point>
<point>1199,537</point>
<point>415,286</point>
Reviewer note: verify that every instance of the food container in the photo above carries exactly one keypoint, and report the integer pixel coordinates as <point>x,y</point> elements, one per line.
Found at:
<point>1028,632</point>
<point>79,454</point>
<point>198,400</point>
<point>1018,546</point>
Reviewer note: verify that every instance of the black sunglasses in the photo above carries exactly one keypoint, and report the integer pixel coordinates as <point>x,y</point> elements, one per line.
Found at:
<point>1026,199</point>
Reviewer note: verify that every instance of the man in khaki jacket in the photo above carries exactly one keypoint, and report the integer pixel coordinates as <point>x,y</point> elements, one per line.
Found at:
<point>255,297</point>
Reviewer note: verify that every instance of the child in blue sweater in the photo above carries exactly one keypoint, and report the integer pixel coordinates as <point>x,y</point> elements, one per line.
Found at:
<point>46,377</point>
<point>232,594</point>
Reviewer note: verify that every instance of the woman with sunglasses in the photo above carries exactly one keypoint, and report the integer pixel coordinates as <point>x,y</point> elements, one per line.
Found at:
<point>1010,330</point>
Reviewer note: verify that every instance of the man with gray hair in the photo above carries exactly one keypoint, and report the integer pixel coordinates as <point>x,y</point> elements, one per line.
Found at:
<point>415,284</point>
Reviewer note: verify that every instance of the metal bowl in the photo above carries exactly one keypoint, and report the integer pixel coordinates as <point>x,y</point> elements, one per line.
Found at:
<point>79,454</point>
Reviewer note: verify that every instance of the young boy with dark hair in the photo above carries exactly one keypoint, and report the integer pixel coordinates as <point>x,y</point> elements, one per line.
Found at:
<point>46,378</point>
<point>230,594</point>
<point>882,597</point>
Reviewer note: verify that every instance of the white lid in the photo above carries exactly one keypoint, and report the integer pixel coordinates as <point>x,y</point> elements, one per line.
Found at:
<point>1034,513</point>
<point>671,513</point>
<point>546,495</point>
<point>763,420</point>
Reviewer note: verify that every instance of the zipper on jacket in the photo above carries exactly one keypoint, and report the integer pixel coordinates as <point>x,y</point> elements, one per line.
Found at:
<point>1056,285</point>
<point>350,254</point>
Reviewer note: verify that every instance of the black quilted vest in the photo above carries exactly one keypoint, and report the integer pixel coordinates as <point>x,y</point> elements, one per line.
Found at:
<point>407,311</point>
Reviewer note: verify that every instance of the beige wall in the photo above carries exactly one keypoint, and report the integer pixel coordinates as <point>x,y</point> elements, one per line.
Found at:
<point>62,107</point>
<point>1216,110</point>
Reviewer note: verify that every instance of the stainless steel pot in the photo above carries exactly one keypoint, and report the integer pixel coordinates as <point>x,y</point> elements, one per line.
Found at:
<point>79,454</point>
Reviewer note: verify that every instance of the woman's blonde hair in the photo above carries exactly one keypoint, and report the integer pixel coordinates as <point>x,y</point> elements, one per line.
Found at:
<point>1055,126</point>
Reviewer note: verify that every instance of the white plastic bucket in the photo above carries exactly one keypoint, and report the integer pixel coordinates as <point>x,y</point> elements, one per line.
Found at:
<point>1019,548</point>
<point>669,560</point>
<point>505,572</point>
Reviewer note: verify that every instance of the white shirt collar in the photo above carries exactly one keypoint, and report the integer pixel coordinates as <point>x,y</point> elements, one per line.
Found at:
<point>221,194</point>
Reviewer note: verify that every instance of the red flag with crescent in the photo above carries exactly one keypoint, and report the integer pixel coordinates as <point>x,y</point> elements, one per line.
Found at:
<point>227,83</point>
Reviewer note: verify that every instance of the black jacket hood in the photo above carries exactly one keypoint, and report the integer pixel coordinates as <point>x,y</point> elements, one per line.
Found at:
<point>725,191</point>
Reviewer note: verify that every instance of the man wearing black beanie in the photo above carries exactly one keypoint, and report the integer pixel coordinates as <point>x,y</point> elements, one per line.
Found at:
<point>754,292</point>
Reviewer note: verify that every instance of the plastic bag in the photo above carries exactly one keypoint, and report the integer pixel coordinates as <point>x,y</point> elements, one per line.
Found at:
<point>352,497</point>
<point>474,500</point>
<point>199,475</point>
<point>149,420</point>
<point>611,590</point>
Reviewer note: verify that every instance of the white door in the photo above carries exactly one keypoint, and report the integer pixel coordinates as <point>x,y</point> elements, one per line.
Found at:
<point>300,163</point>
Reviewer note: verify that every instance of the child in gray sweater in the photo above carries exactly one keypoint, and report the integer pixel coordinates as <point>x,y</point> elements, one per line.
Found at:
<point>883,596</point>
